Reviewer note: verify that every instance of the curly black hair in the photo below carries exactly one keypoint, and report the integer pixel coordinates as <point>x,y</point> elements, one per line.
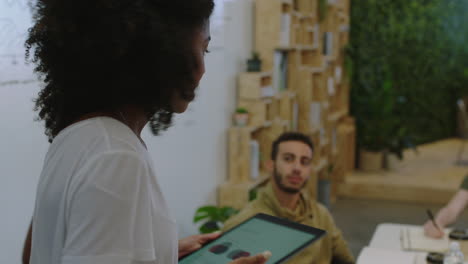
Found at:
<point>97,55</point>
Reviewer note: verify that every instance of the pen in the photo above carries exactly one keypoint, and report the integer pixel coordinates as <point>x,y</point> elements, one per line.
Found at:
<point>431,217</point>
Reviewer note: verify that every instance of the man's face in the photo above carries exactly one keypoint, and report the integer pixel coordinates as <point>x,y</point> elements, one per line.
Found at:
<point>292,166</point>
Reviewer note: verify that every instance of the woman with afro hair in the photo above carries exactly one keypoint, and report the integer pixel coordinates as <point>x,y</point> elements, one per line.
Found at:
<point>110,67</point>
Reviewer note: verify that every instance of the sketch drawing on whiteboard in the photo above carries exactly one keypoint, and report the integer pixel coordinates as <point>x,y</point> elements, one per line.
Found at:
<point>15,19</point>
<point>23,4</point>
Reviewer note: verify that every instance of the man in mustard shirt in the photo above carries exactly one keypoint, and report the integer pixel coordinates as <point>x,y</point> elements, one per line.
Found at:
<point>283,196</point>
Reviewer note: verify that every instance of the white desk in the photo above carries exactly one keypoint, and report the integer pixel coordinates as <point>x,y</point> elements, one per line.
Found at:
<point>387,245</point>
<point>387,236</point>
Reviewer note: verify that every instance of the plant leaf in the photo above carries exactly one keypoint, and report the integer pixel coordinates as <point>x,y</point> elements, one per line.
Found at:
<point>204,212</point>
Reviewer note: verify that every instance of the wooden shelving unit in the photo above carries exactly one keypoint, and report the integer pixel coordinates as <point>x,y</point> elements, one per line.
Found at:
<point>302,87</point>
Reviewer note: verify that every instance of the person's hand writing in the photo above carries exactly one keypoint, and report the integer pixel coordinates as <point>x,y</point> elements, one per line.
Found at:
<point>431,231</point>
<point>257,259</point>
<point>189,244</point>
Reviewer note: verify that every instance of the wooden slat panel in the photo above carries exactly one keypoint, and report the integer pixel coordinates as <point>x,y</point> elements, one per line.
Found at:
<point>234,195</point>
<point>267,30</point>
<point>257,111</point>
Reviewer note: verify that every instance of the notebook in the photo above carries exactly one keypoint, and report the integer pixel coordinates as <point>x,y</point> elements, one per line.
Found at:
<point>413,239</point>
<point>371,255</point>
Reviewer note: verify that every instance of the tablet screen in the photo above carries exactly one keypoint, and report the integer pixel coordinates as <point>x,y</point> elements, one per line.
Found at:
<point>257,234</point>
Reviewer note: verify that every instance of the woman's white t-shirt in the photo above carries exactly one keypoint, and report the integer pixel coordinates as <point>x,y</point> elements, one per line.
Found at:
<point>98,200</point>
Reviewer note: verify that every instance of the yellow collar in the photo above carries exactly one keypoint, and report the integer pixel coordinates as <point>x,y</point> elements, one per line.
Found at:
<point>301,212</point>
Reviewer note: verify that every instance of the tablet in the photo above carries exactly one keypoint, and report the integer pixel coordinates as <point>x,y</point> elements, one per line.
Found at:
<point>261,232</point>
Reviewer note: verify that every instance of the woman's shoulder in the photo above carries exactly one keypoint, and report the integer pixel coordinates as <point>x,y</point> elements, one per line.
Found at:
<point>98,135</point>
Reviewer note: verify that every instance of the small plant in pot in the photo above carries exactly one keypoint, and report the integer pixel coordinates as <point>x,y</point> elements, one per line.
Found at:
<point>254,64</point>
<point>241,116</point>
<point>213,217</point>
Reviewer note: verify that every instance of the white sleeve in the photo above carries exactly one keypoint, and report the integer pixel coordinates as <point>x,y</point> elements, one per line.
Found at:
<point>109,213</point>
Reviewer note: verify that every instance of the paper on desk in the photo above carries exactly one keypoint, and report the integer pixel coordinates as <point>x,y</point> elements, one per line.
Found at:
<point>371,255</point>
<point>413,239</point>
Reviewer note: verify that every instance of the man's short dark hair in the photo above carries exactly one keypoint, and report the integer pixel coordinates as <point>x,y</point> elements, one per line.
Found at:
<point>290,136</point>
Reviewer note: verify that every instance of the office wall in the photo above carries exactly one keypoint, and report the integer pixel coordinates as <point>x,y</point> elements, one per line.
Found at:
<point>190,156</point>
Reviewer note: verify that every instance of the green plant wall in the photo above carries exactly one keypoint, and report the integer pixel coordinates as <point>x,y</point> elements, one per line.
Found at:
<point>408,65</point>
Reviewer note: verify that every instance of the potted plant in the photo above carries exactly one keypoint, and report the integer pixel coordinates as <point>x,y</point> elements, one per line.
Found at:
<point>241,116</point>
<point>394,154</point>
<point>399,140</point>
<point>212,217</point>
<point>383,133</point>
<point>254,64</point>
<point>375,121</point>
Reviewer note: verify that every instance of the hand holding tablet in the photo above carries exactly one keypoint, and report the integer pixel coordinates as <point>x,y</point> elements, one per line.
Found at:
<point>257,259</point>
<point>283,238</point>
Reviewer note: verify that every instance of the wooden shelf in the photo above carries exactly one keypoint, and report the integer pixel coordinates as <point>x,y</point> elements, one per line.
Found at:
<point>298,47</point>
<point>314,129</point>
<point>255,85</point>
<point>330,58</point>
<point>321,165</point>
<point>301,15</point>
<point>290,40</point>
<point>313,69</point>
<point>282,94</point>
<point>307,47</point>
<point>263,74</point>
<point>324,142</point>
<point>334,152</point>
<point>285,48</point>
<point>344,28</point>
<point>255,128</point>
<point>333,117</point>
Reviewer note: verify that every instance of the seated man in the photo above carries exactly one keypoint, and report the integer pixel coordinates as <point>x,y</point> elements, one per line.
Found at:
<point>283,196</point>
<point>449,214</point>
